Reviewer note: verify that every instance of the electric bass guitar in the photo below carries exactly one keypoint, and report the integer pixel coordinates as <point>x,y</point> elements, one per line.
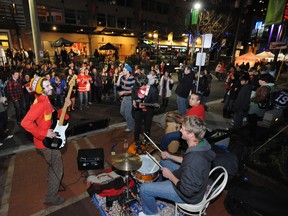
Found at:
<point>140,104</point>
<point>59,140</point>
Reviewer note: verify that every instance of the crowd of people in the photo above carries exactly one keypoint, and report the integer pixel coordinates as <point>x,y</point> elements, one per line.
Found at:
<point>37,90</point>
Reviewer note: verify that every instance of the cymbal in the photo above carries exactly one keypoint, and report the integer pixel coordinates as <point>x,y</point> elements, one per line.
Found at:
<point>126,162</point>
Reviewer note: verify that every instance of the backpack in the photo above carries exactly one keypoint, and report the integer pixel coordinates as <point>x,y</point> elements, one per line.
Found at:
<point>269,101</point>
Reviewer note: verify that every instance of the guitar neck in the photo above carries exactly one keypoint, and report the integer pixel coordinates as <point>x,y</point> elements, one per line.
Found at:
<point>64,108</point>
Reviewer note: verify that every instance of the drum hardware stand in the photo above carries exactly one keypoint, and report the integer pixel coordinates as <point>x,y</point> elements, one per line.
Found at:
<point>129,197</point>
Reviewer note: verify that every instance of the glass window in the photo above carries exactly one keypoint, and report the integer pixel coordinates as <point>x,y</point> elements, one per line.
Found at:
<point>57,15</point>
<point>111,21</point>
<point>128,23</point>
<point>82,18</point>
<point>148,5</point>
<point>70,17</point>
<point>121,22</point>
<point>101,20</point>
<point>162,8</point>
<point>121,2</point>
<point>43,13</point>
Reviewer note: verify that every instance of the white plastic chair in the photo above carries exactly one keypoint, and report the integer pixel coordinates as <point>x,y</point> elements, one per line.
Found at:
<point>212,192</point>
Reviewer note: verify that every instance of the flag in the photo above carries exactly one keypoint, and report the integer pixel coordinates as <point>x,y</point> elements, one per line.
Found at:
<point>195,14</point>
<point>275,12</point>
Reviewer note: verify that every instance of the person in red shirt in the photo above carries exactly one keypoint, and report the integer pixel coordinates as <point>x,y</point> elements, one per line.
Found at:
<point>38,121</point>
<point>82,81</point>
<point>197,110</point>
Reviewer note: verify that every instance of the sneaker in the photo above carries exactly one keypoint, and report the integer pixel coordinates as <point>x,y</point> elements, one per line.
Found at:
<point>9,137</point>
<point>58,201</point>
<point>127,130</point>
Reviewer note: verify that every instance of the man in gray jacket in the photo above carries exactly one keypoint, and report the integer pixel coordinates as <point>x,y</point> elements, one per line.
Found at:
<point>186,177</point>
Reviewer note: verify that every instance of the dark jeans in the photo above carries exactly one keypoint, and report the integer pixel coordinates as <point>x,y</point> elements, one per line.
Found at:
<point>19,109</point>
<point>238,119</point>
<point>139,116</point>
<point>168,138</point>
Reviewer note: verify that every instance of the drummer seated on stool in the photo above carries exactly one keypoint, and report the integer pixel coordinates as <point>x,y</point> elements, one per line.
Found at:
<point>186,178</point>
<point>197,109</point>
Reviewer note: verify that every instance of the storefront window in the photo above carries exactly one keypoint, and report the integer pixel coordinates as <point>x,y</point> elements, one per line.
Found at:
<point>101,19</point>
<point>5,40</point>
<point>82,18</point>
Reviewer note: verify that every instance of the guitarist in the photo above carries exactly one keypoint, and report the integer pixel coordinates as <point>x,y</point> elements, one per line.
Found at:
<point>143,93</point>
<point>38,122</point>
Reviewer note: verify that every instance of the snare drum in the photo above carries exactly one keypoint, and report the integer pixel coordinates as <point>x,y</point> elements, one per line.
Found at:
<point>148,172</point>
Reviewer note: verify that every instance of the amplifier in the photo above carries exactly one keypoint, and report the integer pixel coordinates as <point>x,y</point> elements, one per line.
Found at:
<point>89,159</point>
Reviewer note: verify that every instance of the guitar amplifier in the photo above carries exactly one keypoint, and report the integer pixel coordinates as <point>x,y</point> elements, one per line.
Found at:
<point>90,159</point>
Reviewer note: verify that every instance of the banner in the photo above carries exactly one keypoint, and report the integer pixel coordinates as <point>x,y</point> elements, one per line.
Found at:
<point>275,12</point>
<point>195,14</point>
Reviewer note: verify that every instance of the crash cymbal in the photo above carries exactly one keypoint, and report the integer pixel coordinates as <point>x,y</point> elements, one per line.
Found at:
<point>126,162</point>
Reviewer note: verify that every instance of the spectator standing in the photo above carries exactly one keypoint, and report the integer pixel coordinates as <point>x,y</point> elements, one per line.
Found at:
<point>3,119</point>
<point>73,93</point>
<point>28,97</point>
<point>59,86</point>
<point>242,101</point>
<point>126,82</point>
<point>183,89</point>
<point>88,85</point>
<point>82,91</point>
<point>165,87</point>
<point>15,92</point>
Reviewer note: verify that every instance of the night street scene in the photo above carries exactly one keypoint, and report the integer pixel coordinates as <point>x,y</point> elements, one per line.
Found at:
<point>143,107</point>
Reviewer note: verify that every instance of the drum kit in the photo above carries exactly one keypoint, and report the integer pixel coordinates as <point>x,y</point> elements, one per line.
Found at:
<point>145,168</point>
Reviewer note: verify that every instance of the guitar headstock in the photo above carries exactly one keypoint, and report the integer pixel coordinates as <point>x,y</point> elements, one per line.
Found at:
<point>72,80</point>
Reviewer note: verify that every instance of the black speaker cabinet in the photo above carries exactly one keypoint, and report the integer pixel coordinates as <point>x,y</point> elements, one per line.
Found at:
<point>90,159</point>
<point>89,126</point>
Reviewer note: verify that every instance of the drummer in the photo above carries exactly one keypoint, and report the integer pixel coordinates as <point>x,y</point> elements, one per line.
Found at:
<point>186,177</point>
<point>197,109</point>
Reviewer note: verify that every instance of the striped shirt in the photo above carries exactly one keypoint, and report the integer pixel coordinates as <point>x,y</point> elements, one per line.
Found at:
<point>127,85</point>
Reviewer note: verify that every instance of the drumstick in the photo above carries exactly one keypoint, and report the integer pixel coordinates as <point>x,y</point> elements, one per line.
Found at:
<point>154,159</point>
<point>152,142</point>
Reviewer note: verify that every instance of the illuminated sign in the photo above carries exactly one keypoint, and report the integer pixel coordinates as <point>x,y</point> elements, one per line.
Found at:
<point>258,25</point>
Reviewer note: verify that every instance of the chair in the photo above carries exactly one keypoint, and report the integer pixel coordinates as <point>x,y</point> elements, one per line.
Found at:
<point>212,192</point>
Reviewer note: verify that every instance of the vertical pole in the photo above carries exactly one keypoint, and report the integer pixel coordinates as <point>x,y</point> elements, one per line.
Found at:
<point>198,78</point>
<point>35,30</point>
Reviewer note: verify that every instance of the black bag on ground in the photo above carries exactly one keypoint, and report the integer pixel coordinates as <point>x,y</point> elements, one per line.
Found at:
<point>247,199</point>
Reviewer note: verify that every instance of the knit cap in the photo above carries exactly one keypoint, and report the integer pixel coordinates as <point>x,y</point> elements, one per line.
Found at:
<point>36,84</point>
<point>128,68</point>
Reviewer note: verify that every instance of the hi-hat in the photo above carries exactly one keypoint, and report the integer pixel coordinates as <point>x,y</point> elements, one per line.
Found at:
<point>126,162</point>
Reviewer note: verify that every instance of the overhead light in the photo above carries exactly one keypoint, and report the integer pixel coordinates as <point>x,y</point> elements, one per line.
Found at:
<point>54,28</point>
<point>124,28</point>
<point>81,30</point>
<point>132,34</point>
<point>150,35</point>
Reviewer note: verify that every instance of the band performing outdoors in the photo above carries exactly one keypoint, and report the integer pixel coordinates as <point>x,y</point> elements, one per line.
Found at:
<point>177,169</point>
